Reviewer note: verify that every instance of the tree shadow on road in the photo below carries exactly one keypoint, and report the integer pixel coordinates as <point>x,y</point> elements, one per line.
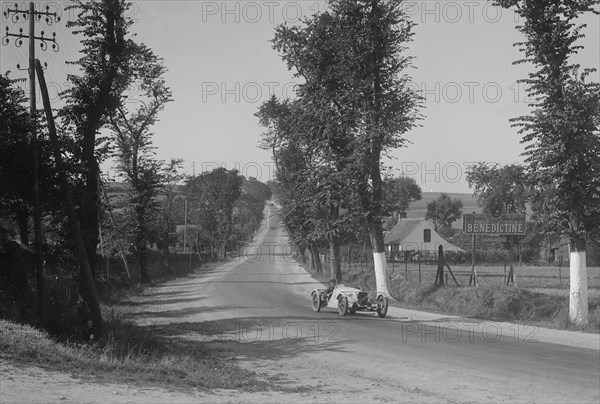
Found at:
<point>183,312</point>
<point>160,302</point>
<point>251,338</point>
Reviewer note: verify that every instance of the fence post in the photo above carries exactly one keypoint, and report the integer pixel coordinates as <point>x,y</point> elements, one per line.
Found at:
<point>439,276</point>
<point>511,269</point>
<point>473,277</point>
<point>560,269</point>
<point>419,255</point>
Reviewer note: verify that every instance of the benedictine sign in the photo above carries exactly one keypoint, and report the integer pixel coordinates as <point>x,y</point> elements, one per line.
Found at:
<point>507,225</point>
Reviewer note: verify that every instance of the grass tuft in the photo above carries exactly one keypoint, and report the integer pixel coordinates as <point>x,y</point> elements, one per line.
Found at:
<point>129,355</point>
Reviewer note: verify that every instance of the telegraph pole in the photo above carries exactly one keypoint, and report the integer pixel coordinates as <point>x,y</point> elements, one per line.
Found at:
<point>32,16</point>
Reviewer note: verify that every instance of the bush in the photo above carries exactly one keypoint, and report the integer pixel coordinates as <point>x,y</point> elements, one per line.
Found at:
<point>65,312</point>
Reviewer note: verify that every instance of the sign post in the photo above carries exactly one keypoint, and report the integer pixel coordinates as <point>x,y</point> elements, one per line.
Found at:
<point>473,278</point>
<point>509,225</point>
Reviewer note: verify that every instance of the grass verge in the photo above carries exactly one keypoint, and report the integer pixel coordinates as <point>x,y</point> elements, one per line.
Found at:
<point>498,303</point>
<point>128,355</point>
<point>491,302</point>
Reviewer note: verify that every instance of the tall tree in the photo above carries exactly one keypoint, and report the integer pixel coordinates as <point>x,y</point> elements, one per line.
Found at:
<point>443,211</point>
<point>133,147</point>
<point>562,133</point>
<point>105,75</point>
<point>107,69</point>
<point>352,59</point>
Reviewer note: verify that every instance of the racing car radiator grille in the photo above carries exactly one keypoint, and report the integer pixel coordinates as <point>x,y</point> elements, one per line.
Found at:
<point>363,297</point>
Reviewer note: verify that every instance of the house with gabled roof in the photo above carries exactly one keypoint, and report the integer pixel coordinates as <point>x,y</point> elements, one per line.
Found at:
<point>415,235</point>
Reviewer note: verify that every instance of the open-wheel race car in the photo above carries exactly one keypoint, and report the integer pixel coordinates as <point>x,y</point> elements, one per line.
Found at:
<point>349,300</point>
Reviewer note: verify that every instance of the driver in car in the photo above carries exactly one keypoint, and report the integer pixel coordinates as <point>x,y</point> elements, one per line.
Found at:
<point>329,290</point>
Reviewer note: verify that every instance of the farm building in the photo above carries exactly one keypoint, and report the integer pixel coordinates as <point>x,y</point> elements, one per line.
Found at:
<point>415,235</point>
<point>554,248</point>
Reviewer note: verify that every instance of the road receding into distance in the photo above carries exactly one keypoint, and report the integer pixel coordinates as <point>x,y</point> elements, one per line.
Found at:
<point>257,310</point>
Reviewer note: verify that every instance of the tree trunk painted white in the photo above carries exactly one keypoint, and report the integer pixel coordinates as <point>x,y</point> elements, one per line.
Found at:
<point>381,278</point>
<point>578,297</point>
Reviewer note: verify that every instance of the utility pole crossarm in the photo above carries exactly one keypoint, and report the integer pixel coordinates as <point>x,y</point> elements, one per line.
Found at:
<point>43,44</point>
<point>50,18</point>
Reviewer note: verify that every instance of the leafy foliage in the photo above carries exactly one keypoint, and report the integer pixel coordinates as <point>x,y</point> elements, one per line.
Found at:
<point>212,196</point>
<point>508,183</point>
<point>444,211</point>
<point>107,70</point>
<point>15,156</point>
<point>134,151</point>
<point>352,108</point>
<point>562,133</point>
<point>352,60</point>
<point>398,193</point>
<point>172,177</point>
<point>248,208</point>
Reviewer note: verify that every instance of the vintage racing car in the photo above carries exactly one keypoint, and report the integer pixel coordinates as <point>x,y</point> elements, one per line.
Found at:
<point>349,300</point>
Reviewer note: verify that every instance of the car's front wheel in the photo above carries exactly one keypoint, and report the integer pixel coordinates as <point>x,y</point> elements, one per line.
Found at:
<point>316,301</point>
<point>382,306</point>
<point>343,305</point>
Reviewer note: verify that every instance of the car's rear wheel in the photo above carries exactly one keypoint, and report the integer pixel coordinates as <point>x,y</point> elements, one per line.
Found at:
<point>382,306</point>
<point>316,301</point>
<point>343,305</point>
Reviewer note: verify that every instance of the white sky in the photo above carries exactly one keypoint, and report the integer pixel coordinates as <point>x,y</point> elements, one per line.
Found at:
<point>221,67</point>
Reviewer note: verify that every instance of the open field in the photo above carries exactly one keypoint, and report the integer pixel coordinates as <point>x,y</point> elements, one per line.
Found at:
<point>547,278</point>
<point>543,279</point>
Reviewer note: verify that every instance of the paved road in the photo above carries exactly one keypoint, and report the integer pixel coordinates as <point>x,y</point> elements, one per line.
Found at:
<point>257,309</point>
